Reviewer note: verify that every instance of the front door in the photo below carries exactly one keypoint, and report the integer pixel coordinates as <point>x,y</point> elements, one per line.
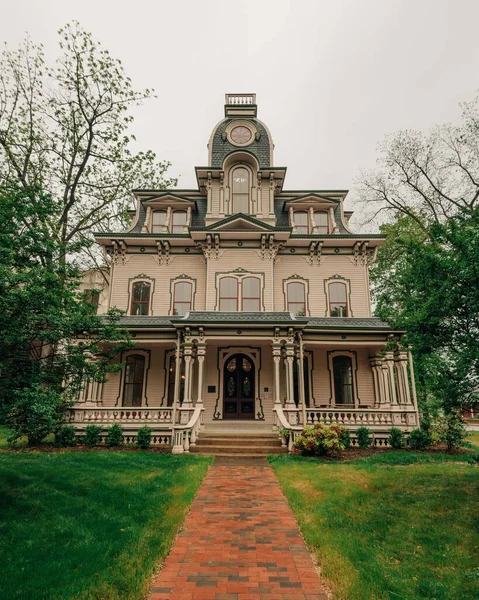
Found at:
<point>238,388</point>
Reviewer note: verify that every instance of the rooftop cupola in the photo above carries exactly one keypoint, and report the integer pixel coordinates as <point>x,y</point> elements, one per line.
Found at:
<point>240,132</point>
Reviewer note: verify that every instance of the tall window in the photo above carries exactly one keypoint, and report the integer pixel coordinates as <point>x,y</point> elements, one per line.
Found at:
<point>296,301</point>
<point>171,381</point>
<point>306,381</point>
<point>158,221</point>
<point>140,298</point>
<point>182,293</point>
<point>251,294</point>
<point>178,221</point>
<point>301,222</point>
<point>343,380</point>
<point>134,375</point>
<point>338,304</point>
<point>240,190</point>
<point>228,294</point>
<point>322,222</point>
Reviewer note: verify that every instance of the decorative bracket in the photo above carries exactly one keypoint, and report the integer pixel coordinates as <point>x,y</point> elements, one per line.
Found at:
<point>163,256</point>
<point>211,247</point>
<point>362,255</point>
<point>120,251</point>
<point>315,255</point>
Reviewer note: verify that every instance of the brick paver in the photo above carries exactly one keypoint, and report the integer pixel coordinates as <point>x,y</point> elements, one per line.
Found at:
<point>240,541</point>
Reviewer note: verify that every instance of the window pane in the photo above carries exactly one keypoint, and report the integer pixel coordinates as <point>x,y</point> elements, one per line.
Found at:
<point>179,221</point>
<point>240,191</point>
<point>159,219</point>
<point>301,222</point>
<point>337,292</point>
<point>321,220</point>
<point>297,308</point>
<point>251,305</point>
<point>251,286</point>
<point>228,305</point>
<point>228,287</point>
<point>295,292</point>
<point>338,310</point>
<point>240,181</point>
<point>183,292</point>
<point>181,308</point>
<point>134,373</point>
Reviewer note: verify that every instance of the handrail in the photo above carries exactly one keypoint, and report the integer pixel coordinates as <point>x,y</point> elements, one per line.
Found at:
<point>185,435</point>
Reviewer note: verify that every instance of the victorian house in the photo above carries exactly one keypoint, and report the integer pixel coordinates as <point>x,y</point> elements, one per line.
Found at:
<point>249,304</point>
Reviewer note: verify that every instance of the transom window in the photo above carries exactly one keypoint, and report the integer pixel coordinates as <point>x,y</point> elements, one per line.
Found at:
<point>182,295</point>
<point>296,298</point>
<point>158,221</point>
<point>338,303</point>
<point>343,380</point>
<point>240,294</point>
<point>140,298</point>
<point>240,190</point>
<point>134,375</point>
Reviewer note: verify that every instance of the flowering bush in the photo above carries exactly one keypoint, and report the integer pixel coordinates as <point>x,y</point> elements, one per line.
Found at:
<point>320,439</point>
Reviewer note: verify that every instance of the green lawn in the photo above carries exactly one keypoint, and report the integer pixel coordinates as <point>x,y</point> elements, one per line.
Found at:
<point>89,525</point>
<point>473,438</point>
<point>389,531</point>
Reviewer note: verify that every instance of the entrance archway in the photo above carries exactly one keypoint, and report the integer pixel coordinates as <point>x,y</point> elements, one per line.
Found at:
<point>238,387</point>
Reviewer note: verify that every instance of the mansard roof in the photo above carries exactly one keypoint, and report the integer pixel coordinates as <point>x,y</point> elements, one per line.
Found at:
<point>240,221</point>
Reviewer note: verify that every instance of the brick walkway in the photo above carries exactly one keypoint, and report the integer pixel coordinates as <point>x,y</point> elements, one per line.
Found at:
<point>239,542</point>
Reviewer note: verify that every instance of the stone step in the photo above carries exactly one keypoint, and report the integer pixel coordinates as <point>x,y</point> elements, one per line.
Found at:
<point>237,441</point>
<point>235,449</point>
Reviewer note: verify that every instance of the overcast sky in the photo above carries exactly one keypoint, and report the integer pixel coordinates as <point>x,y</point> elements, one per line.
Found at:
<point>331,77</point>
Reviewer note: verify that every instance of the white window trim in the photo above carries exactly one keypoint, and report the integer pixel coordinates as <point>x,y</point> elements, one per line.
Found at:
<point>296,279</point>
<point>347,283</point>
<point>182,279</point>
<point>138,279</point>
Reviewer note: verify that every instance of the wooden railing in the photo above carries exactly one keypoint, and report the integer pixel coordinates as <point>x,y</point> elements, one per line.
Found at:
<point>180,435</point>
<point>289,421</point>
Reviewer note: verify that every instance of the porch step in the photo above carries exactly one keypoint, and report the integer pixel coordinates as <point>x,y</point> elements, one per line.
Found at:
<point>238,444</point>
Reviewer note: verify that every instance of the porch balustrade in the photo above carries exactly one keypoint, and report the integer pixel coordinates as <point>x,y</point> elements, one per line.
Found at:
<point>124,415</point>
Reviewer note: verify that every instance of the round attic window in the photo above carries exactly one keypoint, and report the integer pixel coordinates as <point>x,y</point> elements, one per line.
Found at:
<point>241,135</point>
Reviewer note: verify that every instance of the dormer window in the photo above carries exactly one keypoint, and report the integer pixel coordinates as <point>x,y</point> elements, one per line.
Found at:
<point>179,220</point>
<point>158,221</point>
<point>240,186</point>
<point>170,220</point>
<point>321,220</point>
<point>301,222</point>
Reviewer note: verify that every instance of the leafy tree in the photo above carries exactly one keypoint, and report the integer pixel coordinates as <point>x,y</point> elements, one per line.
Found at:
<point>65,129</point>
<point>48,333</point>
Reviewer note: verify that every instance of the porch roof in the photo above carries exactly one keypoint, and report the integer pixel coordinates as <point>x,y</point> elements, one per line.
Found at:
<point>364,323</point>
<point>231,318</point>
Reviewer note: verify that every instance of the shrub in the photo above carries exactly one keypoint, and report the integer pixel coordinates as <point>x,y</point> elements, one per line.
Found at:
<point>346,438</point>
<point>92,435</point>
<point>114,436</point>
<point>396,438</point>
<point>65,436</point>
<point>451,430</point>
<point>320,440</point>
<point>419,439</point>
<point>35,413</point>
<point>143,438</point>
<point>363,436</point>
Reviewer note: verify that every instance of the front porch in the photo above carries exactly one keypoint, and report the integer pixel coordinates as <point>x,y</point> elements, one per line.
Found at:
<point>233,375</point>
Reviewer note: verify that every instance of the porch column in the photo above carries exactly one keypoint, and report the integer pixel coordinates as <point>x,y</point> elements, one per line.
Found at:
<point>289,355</point>
<point>188,355</point>
<point>277,360</point>
<point>177,447</point>
<point>301,390</point>
<point>201,351</point>
<point>403,379</point>
<point>384,384</point>
<point>389,359</point>
<point>375,363</point>
<point>413,379</point>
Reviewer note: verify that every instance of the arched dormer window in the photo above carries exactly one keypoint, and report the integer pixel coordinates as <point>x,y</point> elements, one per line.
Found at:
<point>158,221</point>
<point>179,220</point>
<point>140,298</point>
<point>240,190</point>
<point>301,222</point>
<point>296,297</point>
<point>338,299</point>
<point>321,220</point>
<point>182,297</point>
